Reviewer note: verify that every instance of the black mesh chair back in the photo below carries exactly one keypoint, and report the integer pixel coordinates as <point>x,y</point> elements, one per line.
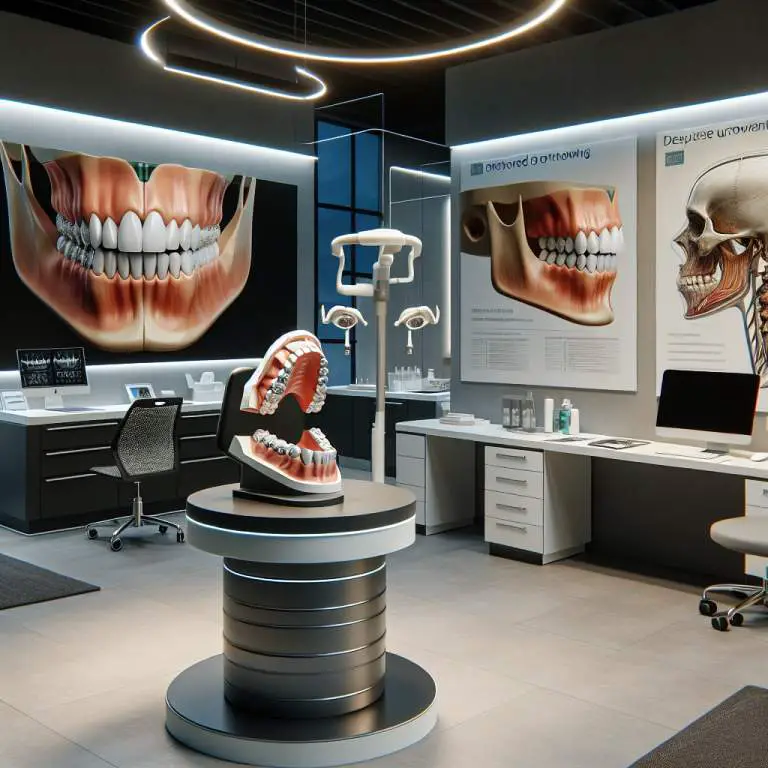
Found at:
<point>146,443</point>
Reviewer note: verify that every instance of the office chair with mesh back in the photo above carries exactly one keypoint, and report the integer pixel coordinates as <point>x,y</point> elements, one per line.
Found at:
<point>145,446</point>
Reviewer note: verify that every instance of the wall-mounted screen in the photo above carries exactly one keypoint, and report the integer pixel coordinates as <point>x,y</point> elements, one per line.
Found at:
<point>142,261</point>
<point>52,368</point>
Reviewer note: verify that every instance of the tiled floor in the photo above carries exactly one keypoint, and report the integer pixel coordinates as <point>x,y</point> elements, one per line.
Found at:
<point>565,666</point>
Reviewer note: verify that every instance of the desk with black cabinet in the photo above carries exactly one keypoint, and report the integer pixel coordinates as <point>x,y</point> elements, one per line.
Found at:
<point>46,457</point>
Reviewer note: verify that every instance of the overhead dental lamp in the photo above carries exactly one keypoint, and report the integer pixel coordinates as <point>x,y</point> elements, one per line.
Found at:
<point>389,242</point>
<point>345,318</point>
<point>414,319</point>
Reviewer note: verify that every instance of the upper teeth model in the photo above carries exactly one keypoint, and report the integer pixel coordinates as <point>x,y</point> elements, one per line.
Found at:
<point>553,245</point>
<point>137,257</point>
<point>294,366</point>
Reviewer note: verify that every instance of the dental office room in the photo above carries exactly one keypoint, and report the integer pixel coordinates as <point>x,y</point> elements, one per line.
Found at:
<point>383,383</point>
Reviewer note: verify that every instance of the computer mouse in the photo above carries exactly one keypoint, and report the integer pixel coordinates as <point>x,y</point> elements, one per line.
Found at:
<point>759,456</point>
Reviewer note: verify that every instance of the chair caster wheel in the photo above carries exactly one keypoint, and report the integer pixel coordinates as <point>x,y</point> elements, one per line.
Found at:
<point>707,607</point>
<point>92,534</point>
<point>180,537</point>
<point>163,529</point>
<point>737,619</point>
<point>720,623</point>
<point>116,545</point>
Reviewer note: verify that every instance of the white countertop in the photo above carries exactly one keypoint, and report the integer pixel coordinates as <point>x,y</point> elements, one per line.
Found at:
<point>352,391</point>
<point>38,416</point>
<point>644,454</point>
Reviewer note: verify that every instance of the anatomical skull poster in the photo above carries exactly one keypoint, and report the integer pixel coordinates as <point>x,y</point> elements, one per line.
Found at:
<point>548,267</point>
<point>712,231</point>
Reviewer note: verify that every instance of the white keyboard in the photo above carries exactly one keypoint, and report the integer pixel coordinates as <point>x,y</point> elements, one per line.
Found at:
<point>689,452</point>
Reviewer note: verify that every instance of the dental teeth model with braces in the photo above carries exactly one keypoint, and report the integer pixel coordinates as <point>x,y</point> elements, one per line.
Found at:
<point>293,367</point>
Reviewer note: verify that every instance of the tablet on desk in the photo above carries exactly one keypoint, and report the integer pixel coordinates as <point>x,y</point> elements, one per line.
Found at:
<point>618,443</point>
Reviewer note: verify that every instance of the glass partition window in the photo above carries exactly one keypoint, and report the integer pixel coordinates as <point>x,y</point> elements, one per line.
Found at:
<point>348,199</point>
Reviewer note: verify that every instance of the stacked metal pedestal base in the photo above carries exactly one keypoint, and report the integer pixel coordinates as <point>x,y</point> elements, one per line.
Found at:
<point>305,679</point>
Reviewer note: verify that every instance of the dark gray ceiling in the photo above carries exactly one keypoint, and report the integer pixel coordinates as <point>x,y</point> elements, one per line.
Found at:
<point>414,94</point>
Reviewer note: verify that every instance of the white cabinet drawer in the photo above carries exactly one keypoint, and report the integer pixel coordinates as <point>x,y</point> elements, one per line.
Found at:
<point>756,566</point>
<point>515,481</point>
<point>509,506</point>
<point>410,471</point>
<point>756,493</point>
<point>417,490</point>
<point>762,511</point>
<point>518,535</point>
<point>496,456</point>
<point>410,445</point>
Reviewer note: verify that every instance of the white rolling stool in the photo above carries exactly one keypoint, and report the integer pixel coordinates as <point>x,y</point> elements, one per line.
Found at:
<point>748,535</point>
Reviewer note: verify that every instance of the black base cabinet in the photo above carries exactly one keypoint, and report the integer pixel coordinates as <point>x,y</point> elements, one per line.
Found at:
<point>347,421</point>
<point>47,483</point>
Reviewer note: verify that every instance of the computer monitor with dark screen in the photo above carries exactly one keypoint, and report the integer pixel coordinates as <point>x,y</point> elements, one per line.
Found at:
<point>53,372</point>
<point>706,405</point>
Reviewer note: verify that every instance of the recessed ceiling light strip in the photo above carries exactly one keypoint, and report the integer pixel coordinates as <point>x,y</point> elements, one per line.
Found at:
<point>197,18</point>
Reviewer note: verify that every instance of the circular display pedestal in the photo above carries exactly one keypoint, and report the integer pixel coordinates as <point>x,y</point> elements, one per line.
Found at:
<point>304,680</point>
<point>199,716</point>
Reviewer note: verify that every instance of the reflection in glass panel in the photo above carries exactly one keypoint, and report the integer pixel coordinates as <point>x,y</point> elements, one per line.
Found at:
<point>368,171</point>
<point>339,364</point>
<point>330,224</point>
<point>334,164</point>
<point>365,255</point>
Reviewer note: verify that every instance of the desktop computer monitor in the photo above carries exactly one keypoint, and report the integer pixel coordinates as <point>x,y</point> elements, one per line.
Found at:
<point>717,408</point>
<point>51,373</point>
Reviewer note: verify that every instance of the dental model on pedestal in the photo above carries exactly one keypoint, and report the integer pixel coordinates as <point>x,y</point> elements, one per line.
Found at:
<point>414,319</point>
<point>389,242</point>
<point>262,426</point>
<point>342,317</point>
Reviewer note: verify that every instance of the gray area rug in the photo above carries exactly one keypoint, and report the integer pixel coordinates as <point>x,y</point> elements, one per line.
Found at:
<point>732,735</point>
<point>23,583</point>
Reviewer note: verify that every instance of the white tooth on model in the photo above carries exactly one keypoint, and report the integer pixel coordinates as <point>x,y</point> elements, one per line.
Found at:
<point>85,233</point>
<point>150,264</point>
<point>171,236</point>
<point>98,261</point>
<point>568,244</point>
<point>580,243</point>
<point>175,264</point>
<point>542,243</point>
<point>591,262</point>
<point>581,262</point>
<point>94,230</point>
<point>620,247</point>
<point>153,237</point>
<point>110,263</point>
<point>129,233</point>
<point>601,262</point>
<point>593,243</point>
<point>137,266</point>
<point>560,244</point>
<point>185,235</point>
<point>186,263</point>
<point>306,456</point>
<point>123,265</point>
<point>60,243</point>
<point>551,258</point>
<point>195,237</point>
<point>570,260</point>
<point>163,262</point>
<point>109,234</point>
<point>614,239</point>
<point>560,259</point>
<point>551,244</point>
<point>543,255</point>
<point>606,243</point>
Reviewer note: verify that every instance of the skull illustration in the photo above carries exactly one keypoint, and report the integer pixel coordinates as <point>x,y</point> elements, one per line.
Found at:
<point>725,236</point>
<point>552,244</point>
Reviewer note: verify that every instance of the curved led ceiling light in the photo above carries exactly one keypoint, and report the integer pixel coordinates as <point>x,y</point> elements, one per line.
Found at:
<point>203,21</point>
<point>145,43</point>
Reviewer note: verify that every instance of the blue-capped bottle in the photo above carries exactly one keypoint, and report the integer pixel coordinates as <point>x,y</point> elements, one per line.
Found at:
<point>564,426</point>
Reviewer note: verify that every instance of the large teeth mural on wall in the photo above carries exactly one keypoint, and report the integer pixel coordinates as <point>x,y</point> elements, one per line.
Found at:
<point>131,256</point>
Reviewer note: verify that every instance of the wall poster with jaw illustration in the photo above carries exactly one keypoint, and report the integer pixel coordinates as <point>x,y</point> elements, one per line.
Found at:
<point>548,272</point>
<point>141,261</point>
<point>712,238</point>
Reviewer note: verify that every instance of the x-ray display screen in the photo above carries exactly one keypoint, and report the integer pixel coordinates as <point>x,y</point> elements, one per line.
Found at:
<point>60,367</point>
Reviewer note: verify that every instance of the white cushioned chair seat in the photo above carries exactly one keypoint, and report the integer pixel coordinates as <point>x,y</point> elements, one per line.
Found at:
<point>748,535</point>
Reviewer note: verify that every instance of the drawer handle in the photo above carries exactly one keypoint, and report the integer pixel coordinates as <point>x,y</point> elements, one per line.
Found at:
<point>82,426</point>
<point>511,480</point>
<point>198,437</point>
<point>77,450</point>
<point>520,528</point>
<point>209,458</point>
<point>511,457</point>
<point>69,477</point>
<point>199,415</point>
<point>510,507</point>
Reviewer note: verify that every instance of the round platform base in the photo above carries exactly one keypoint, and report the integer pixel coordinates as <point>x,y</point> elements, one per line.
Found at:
<point>198,715</point>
